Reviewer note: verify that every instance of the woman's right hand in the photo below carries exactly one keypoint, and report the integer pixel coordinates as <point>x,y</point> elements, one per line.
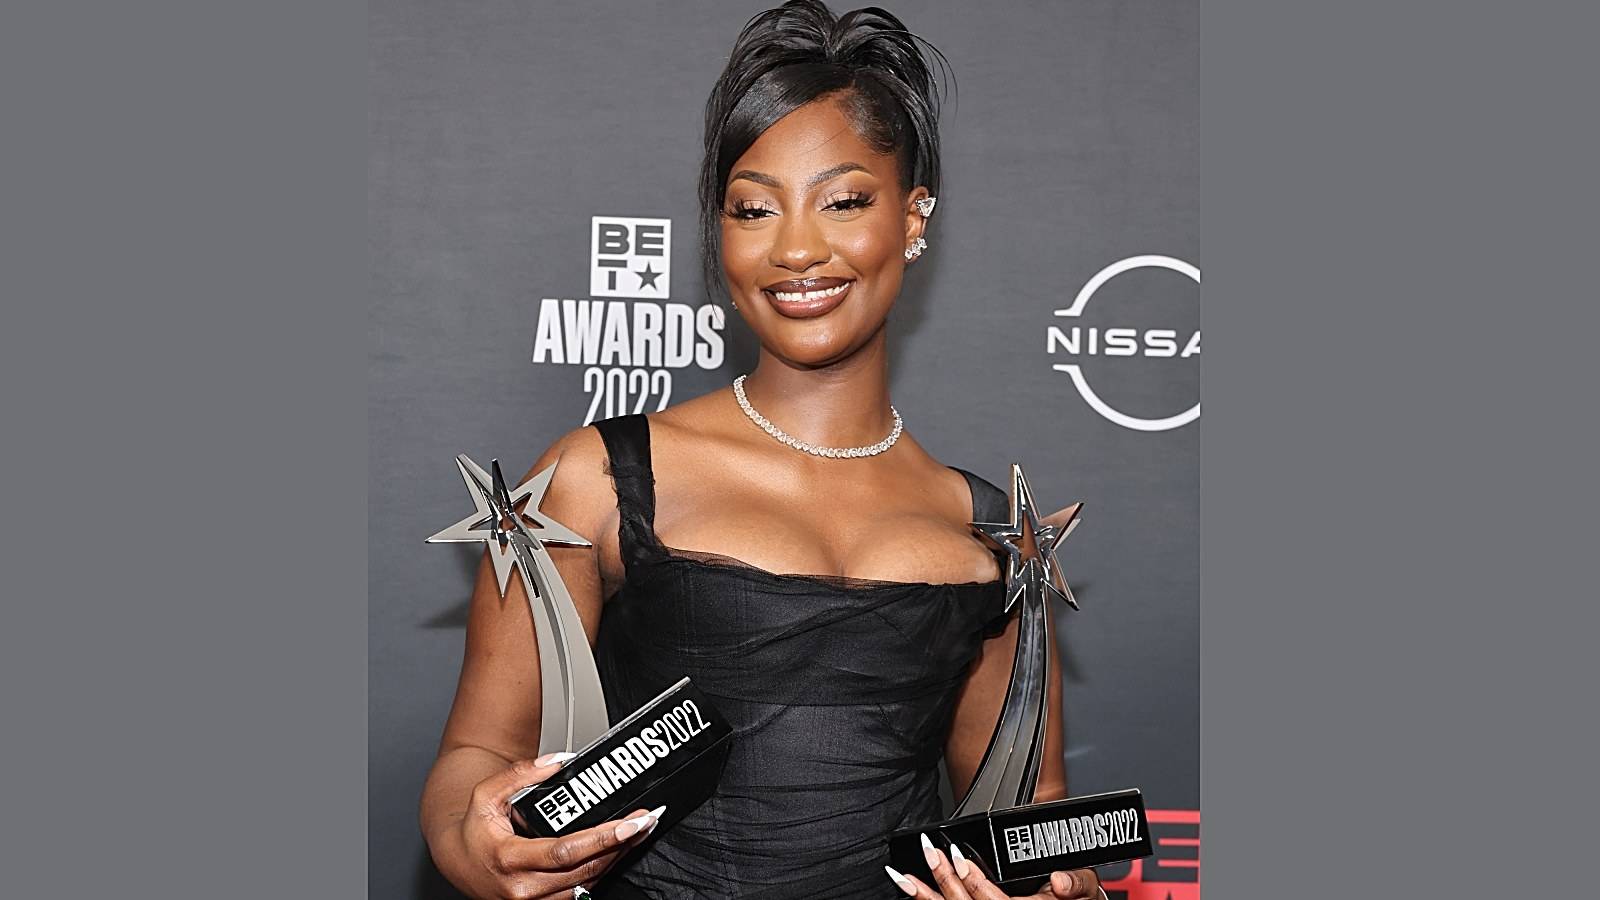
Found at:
<point>491,862</point>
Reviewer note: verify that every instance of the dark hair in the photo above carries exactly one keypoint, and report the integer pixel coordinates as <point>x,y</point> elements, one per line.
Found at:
<point>794,54</point>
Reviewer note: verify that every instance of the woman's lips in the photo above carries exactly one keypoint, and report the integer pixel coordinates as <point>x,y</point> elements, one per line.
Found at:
<point>809,299</point>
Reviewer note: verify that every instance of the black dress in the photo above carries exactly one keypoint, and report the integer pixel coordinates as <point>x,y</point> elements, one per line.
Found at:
<point>840,690</point>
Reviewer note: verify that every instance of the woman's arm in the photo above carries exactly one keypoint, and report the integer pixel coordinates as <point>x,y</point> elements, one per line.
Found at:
<point>494,719</point>
<point>978,711</point>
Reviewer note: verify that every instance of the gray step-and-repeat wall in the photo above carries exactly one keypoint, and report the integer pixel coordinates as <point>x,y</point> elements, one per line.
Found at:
<point>1054,322</point>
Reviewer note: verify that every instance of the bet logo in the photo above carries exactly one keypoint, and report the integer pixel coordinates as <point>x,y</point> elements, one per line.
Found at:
<point>559,807</point>
<point>630,257</point>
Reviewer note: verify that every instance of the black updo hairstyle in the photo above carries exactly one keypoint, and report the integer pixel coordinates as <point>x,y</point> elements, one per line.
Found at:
<point>789,56</point>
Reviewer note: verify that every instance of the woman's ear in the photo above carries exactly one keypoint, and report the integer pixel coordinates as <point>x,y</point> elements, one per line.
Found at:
<point>916,222</point>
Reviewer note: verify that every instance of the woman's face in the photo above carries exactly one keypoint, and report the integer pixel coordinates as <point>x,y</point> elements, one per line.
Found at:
<point>814,233</point>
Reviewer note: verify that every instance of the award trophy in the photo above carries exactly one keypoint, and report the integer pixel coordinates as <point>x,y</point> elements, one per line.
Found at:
<point>668,752</point>
<point>1017,843</point>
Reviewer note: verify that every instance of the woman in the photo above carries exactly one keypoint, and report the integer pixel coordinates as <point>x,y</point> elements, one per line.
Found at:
<point>883,647</point>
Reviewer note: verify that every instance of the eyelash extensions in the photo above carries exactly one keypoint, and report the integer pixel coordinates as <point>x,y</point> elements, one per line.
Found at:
<point>852,200</point>
<point>748,212</point>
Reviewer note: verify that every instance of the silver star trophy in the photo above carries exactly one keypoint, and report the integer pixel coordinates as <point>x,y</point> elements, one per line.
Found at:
<point>573,713</point>
<point>998,827</point>
<point>1010,767</point>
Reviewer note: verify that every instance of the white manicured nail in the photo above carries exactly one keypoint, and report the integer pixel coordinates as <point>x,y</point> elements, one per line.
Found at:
<point>633,826</point>
<point>550,759</point>
<point>959,861</point>
<point>930,854</point>
<point>901,882</point>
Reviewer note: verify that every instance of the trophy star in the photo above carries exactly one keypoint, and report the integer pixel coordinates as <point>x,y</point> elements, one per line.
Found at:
<point>495,504</point>
<point>1031,543</point>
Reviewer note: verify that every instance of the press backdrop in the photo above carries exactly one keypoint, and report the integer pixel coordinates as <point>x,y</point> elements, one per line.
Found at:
<point>532,204</point>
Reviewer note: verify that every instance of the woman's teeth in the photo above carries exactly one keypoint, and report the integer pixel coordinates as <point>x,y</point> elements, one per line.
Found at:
<point>795,297</point>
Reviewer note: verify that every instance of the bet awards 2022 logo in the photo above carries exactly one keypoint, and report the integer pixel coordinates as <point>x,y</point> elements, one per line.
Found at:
<point>1086,346</point>
<point>629,343</point>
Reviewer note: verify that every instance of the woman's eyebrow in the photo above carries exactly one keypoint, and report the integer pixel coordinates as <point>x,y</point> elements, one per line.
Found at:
<point>771,182</point>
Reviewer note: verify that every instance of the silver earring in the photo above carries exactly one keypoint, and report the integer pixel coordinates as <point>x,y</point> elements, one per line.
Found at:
<point>925,205</point>
<point>915,250</point>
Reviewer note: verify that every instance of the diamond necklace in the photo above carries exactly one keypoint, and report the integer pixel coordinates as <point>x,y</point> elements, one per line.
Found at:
<point>813,449</point>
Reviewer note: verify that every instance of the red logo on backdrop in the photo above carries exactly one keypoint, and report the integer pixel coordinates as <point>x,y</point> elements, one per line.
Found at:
<point>1172,872</point>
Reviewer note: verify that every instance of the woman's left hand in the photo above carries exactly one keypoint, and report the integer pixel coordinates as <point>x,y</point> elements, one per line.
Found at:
<point>959,879</point>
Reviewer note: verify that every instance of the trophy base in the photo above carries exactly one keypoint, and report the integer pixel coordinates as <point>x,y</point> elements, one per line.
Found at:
<point>670,752</point>
<point>1018,848</point>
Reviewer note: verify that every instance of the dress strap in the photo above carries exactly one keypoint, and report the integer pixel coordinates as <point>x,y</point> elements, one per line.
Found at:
<point>989,503</point>
<point>627,440</point>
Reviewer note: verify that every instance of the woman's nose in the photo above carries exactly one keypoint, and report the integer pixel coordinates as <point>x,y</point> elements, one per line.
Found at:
<point>799,244</point>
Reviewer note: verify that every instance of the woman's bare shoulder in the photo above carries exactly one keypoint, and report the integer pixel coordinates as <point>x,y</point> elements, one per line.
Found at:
<point>948,482</point>
<point>581,487</point>
<point>695,421</point>
<point>580,494</point>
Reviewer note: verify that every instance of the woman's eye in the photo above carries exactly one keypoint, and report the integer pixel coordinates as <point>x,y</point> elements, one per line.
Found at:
<point>750,212</point>
<point>847,203</point>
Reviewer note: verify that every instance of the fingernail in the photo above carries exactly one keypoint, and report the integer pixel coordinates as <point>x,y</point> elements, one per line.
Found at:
<point>901,882</point>
<point>641,820</point>
<point>652,818</point>
<point>550,759</point>
<point>959,861</point>
<point>633,826</point>
<point>930,854</point>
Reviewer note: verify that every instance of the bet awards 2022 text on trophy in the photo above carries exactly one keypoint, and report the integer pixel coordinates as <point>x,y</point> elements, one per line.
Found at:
<point>1017,843</point>
<point>669,752</point>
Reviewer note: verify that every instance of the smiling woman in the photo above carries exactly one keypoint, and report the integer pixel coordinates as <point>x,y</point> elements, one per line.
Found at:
<point>787,544</point>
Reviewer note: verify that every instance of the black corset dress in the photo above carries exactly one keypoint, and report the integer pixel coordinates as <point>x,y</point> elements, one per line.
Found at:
<point>840,691</point>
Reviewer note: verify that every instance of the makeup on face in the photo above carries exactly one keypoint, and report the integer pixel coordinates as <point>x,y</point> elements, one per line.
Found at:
<point>814,226</point>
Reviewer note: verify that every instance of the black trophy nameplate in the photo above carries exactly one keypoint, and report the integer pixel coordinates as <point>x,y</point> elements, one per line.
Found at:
<point>1018,848</point>
<point>670,752</point>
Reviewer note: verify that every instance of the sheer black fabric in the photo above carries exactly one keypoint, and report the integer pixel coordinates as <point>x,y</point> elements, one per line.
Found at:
<point>840,690</point>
